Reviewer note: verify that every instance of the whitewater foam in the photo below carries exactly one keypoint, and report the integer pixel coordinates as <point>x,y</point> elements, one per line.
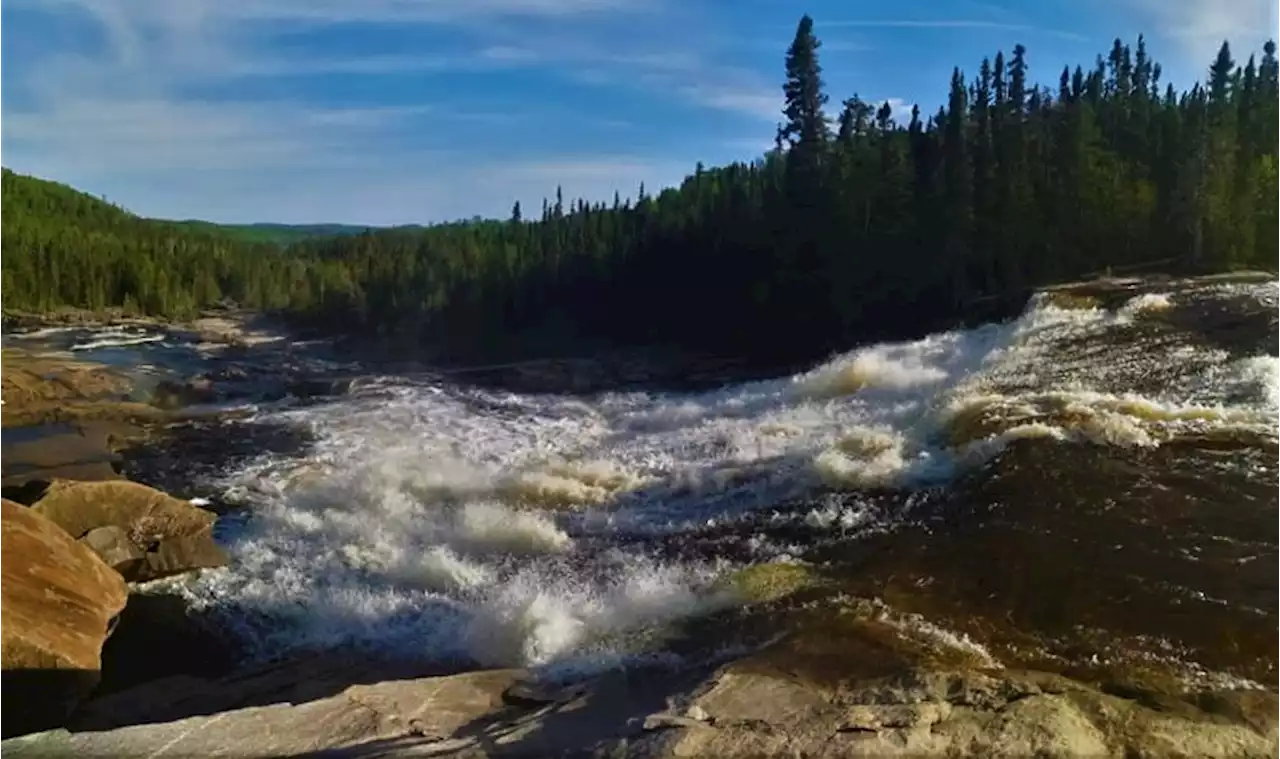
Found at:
<point>510,529</point>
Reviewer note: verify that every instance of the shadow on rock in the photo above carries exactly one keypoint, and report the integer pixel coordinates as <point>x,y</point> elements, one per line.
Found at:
<point>197,680</point>
<point>158,637</point>
<point>44,703</point>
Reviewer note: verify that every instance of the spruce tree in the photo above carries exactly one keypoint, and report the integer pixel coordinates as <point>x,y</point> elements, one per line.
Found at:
<point>806,128</point>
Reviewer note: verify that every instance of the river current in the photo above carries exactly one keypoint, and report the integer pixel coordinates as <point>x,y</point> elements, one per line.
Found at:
<point>570,533</point>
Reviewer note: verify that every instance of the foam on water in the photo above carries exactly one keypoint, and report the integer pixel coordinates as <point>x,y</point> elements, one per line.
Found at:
<point>488,526</point>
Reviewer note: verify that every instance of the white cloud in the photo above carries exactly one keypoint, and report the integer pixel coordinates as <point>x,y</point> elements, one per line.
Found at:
<point>957,23</point>
<point>901,110</point>
<point>194,13</point>
<point>761,103</point>
<point>124,121</point>
<point>1199,27</point>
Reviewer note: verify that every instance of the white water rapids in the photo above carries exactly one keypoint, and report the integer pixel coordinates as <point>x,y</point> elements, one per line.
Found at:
<point>511,529</point>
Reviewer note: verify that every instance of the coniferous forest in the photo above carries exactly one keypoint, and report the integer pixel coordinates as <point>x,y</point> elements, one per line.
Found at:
<point>853,227</point>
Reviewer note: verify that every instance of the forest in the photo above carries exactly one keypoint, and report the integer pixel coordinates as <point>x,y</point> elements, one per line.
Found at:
<point>853,227</point>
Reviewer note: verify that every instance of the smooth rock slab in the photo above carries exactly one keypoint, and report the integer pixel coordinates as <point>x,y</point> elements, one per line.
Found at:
<point>740,713</point>
<point>59,599</point>
<point>411,709</point>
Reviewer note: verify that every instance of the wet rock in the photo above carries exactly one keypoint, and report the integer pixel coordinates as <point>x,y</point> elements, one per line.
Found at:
<point>59,599</point>
<point>173,535</point>
<point>170,394</point>
<point>42,389</point>
<point>314,387</point>
<point>36,455</point>
<point>762,583</point>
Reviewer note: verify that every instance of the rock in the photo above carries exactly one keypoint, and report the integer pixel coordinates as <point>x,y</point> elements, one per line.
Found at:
<point>157,637</point>
<point>663,721</point>
<point>971,713</point>
<point>173,535</point>
<point>318,387</point>
<point>374,715</point>
<point>113,546</point>
<point>762,583</point>
<point>170,394</point>
<point>309,705</point>
<point>42,389</point>
<point>36,455</point>
<point>59,599</point>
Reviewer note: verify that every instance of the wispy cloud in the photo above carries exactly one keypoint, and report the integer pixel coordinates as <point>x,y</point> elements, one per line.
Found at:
<point>682,73</point>
<point>955,23</point>
<point>758,102</point>
<point>369,65</point>
<point>129,117</point>
<point>346,11</point>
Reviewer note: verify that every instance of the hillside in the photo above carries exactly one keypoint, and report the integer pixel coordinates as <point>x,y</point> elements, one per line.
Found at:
<point>63,247</point>
<point>279,234</point>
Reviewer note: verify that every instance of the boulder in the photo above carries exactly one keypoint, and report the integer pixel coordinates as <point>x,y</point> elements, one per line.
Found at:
<point>113,546</point>
<point>59,600</point>
<point>170,394</point>
<point>172,535</point>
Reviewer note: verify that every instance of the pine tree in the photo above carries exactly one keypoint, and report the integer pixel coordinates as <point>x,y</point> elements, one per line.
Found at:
<point>806,128</point>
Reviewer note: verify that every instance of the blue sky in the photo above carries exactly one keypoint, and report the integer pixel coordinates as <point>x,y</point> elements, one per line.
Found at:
<point>399,111</point>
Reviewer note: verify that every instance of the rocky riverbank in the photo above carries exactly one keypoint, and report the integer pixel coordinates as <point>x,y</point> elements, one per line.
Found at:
<point>1023,609</point>
<point>783,700</point>
<point>80,538</point>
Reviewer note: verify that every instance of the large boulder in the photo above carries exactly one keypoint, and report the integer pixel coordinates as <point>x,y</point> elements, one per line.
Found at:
<point>59,599</point>
<point>171,535</point>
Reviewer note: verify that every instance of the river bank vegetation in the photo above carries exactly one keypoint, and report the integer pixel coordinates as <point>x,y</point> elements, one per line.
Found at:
<point>855,226</point>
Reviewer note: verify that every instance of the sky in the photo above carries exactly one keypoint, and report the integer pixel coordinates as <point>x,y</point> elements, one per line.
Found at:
<point>414,111</point>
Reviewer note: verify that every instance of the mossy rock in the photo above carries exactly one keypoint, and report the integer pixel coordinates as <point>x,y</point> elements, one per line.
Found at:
<point>763,583</point>
<point>1071,301</point>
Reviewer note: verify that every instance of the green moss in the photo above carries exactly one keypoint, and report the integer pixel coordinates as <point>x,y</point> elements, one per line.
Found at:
<point>1068,300</point>
<point>767,582</point>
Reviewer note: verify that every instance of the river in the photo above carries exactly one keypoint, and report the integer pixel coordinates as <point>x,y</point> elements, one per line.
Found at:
<point>1089,485</point>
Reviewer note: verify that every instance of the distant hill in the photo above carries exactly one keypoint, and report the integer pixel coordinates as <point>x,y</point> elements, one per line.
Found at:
<point>281,234</point>
<point>66,248</point>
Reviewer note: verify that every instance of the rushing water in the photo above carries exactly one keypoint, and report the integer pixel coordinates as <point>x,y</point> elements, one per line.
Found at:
<point>448,522</point>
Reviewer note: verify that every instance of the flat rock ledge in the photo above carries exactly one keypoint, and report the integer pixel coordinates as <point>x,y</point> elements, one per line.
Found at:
<point>739,710</point>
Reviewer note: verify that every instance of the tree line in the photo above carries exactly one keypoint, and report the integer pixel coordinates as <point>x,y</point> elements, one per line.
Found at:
<point>852,227</point>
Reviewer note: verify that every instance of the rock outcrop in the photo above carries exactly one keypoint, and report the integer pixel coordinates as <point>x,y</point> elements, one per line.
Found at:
<point>43,389</point>
<point>171,535</point>
<point>59,600</point>
<point>743,709</point>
